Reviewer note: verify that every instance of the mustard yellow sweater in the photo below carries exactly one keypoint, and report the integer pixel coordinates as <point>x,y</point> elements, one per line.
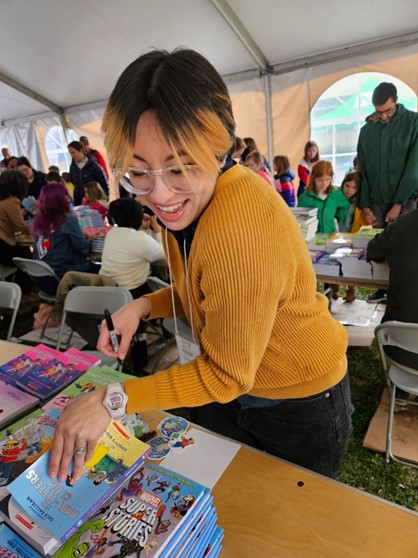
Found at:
<point>262,327</point>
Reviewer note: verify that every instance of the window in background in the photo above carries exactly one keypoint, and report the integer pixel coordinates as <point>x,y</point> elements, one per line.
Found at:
<point>56,147</point>
<point>341,111</point>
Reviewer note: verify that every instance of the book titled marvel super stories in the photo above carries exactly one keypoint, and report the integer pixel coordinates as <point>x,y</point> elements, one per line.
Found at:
<point>156,510</point>
<point>12,546</point>
<point>62,507</point>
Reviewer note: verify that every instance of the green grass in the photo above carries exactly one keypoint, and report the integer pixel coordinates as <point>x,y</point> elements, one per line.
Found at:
<point>362,468</point>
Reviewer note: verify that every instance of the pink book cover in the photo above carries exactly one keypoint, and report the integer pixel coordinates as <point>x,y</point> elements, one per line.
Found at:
<point>14,402</point>
<point>14,371</point>
<point>81,360</point>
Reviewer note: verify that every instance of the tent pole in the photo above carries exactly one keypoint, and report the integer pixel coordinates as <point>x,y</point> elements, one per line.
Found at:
<point>269,119</point>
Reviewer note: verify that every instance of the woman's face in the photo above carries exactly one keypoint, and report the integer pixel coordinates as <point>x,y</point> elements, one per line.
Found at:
<point>350,189</point>
<point>312,151</point>
<point>76,156</point>
<point>27,171</point>
<point>322,183</point>
<point>152,152</point>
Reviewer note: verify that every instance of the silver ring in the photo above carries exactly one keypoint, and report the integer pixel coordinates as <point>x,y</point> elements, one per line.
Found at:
<point>80,451</point>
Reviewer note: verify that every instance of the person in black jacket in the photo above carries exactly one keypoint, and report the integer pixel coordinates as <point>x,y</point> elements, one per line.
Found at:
<point>36,178</point>
<point>84,169</point>
<point>397,245</point>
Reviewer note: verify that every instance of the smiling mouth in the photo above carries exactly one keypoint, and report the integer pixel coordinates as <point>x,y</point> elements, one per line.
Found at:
<point>170,209</point>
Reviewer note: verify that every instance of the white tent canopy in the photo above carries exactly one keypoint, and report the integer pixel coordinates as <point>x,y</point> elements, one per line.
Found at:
<point>61,58</point>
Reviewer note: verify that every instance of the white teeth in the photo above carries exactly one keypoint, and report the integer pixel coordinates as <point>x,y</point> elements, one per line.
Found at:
<point>170,209</point>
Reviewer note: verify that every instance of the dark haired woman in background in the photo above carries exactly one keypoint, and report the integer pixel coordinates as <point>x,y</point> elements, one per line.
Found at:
<point>13,189</point>
<point>310,157</point>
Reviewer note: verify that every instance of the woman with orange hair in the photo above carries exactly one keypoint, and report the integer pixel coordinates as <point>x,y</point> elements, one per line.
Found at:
<point>267,365</point>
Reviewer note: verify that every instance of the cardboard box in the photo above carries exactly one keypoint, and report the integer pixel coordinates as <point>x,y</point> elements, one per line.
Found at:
<point>405,430</point>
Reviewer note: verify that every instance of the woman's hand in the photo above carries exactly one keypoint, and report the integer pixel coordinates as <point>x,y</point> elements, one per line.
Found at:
<point>125,322</point>
<point>81,424</point>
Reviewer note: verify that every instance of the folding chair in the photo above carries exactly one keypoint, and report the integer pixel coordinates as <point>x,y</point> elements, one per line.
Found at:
<point>10,297</point>
<point>35,269</point>
<point>6,271</point>
<point>93,301</point>
<point>405,336</point>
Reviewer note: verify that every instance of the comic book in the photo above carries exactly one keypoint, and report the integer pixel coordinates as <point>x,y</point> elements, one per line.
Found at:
<point>199,531</point>
<point>12,546</point>
<point>62,507</point>
<point>13,403</point>
<point>215,544</point>
<point>154,510</point>
<point>22,442</point>
<point>15,370</point>
<point>53,375</point>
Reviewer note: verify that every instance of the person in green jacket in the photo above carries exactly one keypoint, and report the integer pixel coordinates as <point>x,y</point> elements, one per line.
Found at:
<point>331,203</point>
<point>388,158</point>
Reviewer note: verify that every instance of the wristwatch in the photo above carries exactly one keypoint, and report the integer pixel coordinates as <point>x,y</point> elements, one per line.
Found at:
<point>115,401</point>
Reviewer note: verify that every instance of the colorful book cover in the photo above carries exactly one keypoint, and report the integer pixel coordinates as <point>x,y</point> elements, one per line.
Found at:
<point>82,360</point>
<point>215,544</point>
<point>152,511</point>
<point>201,531</point>
<point>16,369</point>
<point>14,402</point>
<point>49,376</point>
<point>62,507</point>
<point>316,255</point>
<point>201,542</point>
<point>22,442</point>
<point>318,242</point>
<point>12,546</point>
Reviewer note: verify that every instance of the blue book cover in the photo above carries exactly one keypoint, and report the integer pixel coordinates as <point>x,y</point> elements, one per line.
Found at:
<point>215,544</point>
<point>62,507</point>
<point>12,546</point>
<point>200,538</point>
<point>153,511</point>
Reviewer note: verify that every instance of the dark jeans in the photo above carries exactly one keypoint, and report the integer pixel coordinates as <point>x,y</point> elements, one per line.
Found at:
<point>312,431</point>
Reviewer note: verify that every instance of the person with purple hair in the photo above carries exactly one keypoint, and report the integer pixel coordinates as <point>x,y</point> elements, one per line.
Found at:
<point>59,240</point>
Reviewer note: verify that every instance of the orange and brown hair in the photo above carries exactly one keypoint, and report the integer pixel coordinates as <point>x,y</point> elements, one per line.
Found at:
<point>189,99</point>
<point>94,191</point>
<point>320,169</point>
<point>281,164</point>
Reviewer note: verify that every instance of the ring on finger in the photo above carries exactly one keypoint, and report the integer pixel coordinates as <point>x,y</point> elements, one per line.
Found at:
<point>80,450</point>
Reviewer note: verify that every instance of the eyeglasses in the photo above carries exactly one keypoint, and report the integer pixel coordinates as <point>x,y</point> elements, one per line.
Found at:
<point>388,112</point>
<point>180,180</point>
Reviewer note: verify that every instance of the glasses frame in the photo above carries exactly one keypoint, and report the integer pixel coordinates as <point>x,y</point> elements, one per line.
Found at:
<point>388,112</point>
<point>127,184</point>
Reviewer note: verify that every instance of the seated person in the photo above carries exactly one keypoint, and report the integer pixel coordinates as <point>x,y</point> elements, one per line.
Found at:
<point>127,256</point>
<point>397,245</point>
<point>59,240</point>
<point>95,198</point>
<point>36,178</point>
<point>13,189</point>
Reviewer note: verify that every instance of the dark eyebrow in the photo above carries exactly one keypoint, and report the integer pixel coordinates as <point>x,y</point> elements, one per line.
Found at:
<point>167,159</point>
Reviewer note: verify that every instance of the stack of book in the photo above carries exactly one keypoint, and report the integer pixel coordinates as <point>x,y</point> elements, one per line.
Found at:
<point>353,262</point>
<point>307,220</point>
<point>318,242</point>
<point>327,265</point>
<point>156,510</point>
<point>338,240</point>
<point>12,546</point>
<point>97,243</point>
<point>87,217</point>
<point>43,371</point>
<point>380,271</point>
<point>362,237</point>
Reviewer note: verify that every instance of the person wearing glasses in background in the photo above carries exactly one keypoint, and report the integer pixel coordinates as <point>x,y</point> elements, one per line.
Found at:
<point>388,162</point>
<point>267,366</point>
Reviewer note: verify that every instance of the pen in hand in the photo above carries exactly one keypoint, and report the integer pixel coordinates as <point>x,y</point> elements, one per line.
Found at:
<point>112,333</point>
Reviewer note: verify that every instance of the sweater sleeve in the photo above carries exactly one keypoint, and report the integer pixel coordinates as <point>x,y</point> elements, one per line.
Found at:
<point>241,292</point>
<point>16,218</point>
<point>408,185</point>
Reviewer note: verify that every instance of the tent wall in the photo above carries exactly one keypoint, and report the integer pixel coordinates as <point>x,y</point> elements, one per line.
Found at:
<point>293,96</point>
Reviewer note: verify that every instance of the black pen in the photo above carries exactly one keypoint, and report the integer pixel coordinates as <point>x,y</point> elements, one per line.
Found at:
<point>112,333</point>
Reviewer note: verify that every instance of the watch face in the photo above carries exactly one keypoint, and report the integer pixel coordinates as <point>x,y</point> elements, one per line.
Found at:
<point>115,401</point>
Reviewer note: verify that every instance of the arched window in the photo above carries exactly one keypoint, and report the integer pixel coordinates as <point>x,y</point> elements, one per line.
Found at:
<point>56,147</point>
<point>340,112</point>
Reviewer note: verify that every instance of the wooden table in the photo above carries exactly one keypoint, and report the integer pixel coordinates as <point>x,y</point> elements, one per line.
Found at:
<point>270,508</point>
<point>353,282</point>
